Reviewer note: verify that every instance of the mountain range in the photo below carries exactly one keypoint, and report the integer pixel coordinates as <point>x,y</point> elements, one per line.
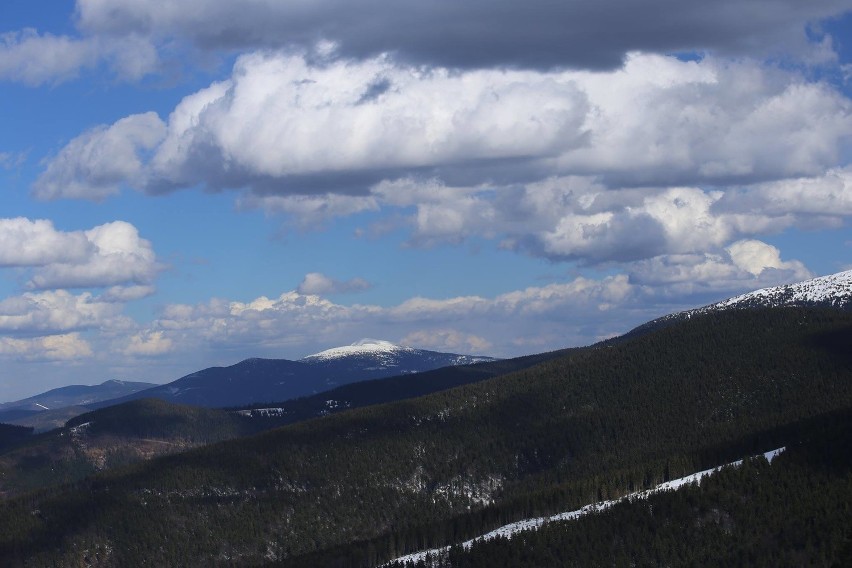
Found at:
<point>370,471</point>
<point>274,380</point>
<point>247,382</point>
<point>75,395</point>
<point>117,435</point>
<point>53,408</point>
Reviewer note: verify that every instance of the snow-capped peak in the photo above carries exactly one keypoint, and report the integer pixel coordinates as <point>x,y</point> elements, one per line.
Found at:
<point>834,289</point>
<point>361,347</point>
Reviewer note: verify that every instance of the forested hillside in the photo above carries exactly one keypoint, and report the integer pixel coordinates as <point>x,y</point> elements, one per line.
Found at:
<point>364,486</point>
<point>112,437</point>
<point>795,512</point>
<point>143,429</point>
<point>11,435</point>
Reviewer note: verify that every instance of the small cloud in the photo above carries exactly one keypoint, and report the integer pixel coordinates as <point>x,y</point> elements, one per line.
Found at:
<point>121,294</point>
<point>309,211</point>
<point>448,340</point>
<point>34,59</point>
<point>148,344</point>
<point>10,160</point>
<point>755,257</point>
<point>318,284</point>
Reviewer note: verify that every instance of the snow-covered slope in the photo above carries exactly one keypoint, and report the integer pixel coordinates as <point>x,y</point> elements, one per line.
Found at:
<point>276,380</point>
<point>374,354</point>
<point>376,348</point>
<point>832,291</point>
<point>512,529</point>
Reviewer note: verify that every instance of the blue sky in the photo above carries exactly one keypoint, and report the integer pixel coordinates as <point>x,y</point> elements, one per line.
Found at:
<point>191,185</point>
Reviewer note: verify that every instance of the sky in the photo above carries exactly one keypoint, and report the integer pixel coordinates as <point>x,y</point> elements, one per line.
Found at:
<point>190,184</point>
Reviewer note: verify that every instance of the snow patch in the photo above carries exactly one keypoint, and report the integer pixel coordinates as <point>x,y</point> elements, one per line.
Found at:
<point>77,429</point>
<point>265,412</point>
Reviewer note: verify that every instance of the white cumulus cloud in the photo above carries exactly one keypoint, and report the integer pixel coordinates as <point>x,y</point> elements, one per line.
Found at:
<point>526,156</point>
<point>118,256</point>
<point>64,347</point>
<point>148,344</point>
<point>26,242</point>
<point>755,257</point>
<point>295,321</point>
<point>109,255</point>
<point>54,312</point>
<point>95,164</point>
<point>746,264</point>
<point>448,340</point>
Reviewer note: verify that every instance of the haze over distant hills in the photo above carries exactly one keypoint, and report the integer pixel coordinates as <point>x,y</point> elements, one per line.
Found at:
<point>77,395</point>
<point>366,485</point>
<point>276,380</point>
<point>247,382</point>
<point>357,483</point>
<point>52,408</point>
<point>272,380</point>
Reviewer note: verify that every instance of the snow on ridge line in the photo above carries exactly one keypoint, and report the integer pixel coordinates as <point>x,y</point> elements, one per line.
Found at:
<point>362,347</point>
<point>814,290</point>
<point>820,289</point>
<point>508,531</point>
<point>832,289</point>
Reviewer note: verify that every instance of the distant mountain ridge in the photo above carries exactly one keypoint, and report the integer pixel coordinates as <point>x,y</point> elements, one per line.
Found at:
<point>51,409</point>
<point>77,394</point>
<point>74,395</point>
<point>275,380</point>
